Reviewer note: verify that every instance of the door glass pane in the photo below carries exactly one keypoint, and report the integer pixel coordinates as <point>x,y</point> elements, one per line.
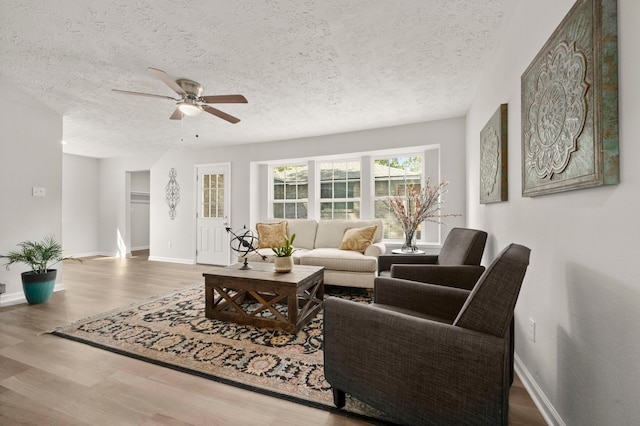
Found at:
<point>213,196</point>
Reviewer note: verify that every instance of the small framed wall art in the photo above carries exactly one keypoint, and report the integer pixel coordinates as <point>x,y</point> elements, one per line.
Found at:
<point>570,104</point>
<point>493,158</point>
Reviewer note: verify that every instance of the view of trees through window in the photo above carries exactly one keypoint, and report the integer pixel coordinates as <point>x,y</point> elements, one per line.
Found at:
<point>340,186</point>
<point>391,177</point>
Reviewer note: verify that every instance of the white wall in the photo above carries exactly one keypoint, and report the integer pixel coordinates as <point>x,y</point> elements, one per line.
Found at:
<point>140,181</point>
<point>30,155</point>
<point>582,287</point>
<point>80,209</point>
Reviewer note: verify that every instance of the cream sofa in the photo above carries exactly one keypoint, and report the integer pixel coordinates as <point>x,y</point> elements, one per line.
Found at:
<point>317,244</point>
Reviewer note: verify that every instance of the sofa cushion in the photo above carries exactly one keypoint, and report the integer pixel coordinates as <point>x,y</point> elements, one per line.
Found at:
<point>331,231</point>
<point>271,234</point>
<point>339,260</point>
<point>358,239</point>
<point>305,230</point>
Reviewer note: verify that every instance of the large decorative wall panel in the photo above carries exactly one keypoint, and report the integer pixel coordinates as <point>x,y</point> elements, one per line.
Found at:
<point>570,104</point>
<point>493,158</point>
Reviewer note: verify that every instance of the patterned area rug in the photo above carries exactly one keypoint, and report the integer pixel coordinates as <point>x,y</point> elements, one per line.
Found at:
<point>171,330</point>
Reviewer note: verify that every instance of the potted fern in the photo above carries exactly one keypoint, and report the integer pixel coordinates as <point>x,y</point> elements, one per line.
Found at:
<point>40,256</point>
<point>283,261</point>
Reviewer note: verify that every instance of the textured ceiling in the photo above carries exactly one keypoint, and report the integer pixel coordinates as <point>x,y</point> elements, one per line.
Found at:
<point>306,67</point>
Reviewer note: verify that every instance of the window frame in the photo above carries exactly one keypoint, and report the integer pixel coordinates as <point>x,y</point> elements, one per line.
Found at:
<point>431,166</point>
<point>285,200</point>
<point>334,200</point>
<point>377,198</point>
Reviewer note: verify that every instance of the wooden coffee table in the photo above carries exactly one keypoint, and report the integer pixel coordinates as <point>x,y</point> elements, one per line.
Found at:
<point>229,291</point>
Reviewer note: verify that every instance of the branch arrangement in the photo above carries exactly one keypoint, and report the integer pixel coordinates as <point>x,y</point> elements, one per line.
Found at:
<point>417,206</point>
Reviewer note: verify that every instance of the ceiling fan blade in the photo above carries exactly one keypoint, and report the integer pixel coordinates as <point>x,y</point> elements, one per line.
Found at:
<point>128,92</point>
<point>168,80</point>
<point>224,99</point>
<point>177,115</point>
<point>223,115</point>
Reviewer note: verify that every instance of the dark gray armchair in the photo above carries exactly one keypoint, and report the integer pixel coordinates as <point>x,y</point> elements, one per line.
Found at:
<point>457,264</point>
<point>428,354</point>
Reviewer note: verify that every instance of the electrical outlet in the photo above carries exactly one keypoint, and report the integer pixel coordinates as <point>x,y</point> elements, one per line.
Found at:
<point>532,330</point>
<point>38,191</point>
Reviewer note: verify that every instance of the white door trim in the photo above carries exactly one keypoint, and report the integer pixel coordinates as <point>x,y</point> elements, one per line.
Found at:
<point>227,212</point>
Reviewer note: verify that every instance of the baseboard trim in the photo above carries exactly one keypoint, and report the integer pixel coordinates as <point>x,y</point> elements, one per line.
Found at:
<point>548,411</point>
<point>95,253</point>
<point>16,298</point>
<point>171,260</point>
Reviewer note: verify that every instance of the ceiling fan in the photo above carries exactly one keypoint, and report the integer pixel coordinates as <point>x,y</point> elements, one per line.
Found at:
<point>191,102</point>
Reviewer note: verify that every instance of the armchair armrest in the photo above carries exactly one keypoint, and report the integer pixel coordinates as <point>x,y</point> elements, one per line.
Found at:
<point>428,299</point>
<point>385,261</point>
<point>375,249</point>
<point>407,379</point>
<point>460,276</point>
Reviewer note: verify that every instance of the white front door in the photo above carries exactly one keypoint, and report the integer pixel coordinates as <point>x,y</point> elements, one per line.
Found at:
<point>213,214</point>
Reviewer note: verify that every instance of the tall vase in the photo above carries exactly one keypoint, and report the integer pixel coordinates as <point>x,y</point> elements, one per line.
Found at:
<point>409,245</point>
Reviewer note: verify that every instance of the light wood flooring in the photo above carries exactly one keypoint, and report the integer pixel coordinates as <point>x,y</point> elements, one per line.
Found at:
<point>47,380</point>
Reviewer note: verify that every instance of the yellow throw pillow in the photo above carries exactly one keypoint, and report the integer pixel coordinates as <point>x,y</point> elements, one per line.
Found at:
<point>358,239</point>
<point>271,234</point>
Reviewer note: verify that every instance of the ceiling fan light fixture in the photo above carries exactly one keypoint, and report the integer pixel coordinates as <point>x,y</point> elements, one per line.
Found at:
<point>190,97</point>
<point>189,108</point>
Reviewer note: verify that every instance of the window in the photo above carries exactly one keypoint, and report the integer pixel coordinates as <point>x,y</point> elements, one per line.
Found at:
<point>290,191</point>
<point>213,196</point>
<point>355,187</point>
<point>391,177</point>
<point>340,190</point>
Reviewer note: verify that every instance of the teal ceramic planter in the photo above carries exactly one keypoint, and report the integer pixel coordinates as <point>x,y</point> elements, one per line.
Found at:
<point>38,287</point>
